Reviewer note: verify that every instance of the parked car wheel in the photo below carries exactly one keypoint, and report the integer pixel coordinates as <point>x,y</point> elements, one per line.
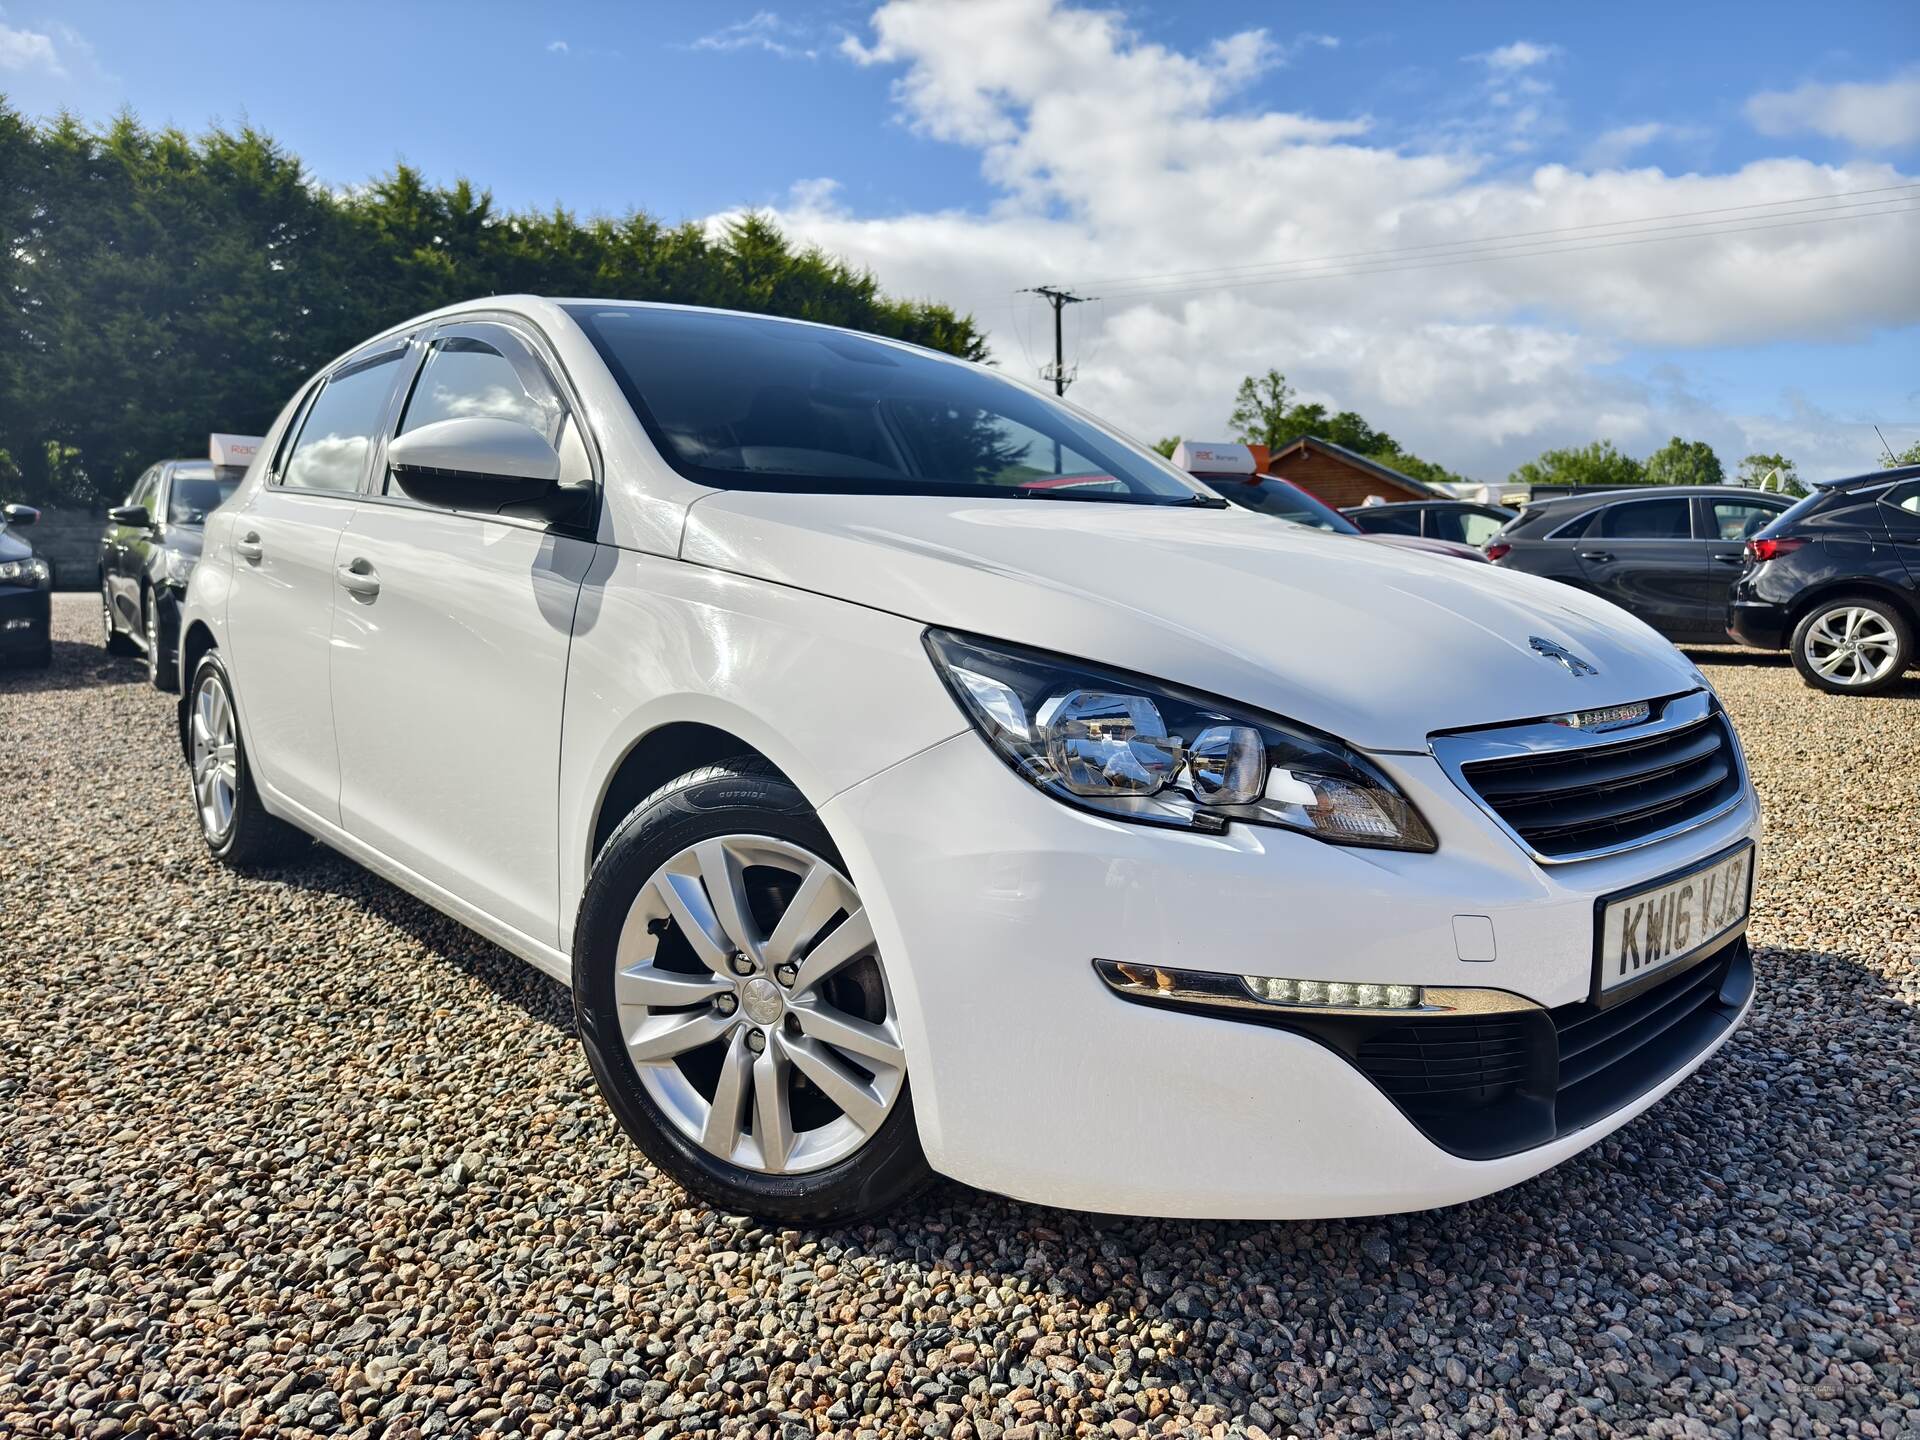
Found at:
<point>116,642</point>
<point>160,670</point>
<point>1852,645</point>
<point>233,822</point>
<point>734,1006</point>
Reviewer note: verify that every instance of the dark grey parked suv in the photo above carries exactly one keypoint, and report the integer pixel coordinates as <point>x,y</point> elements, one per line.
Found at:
<point>1667,553</point>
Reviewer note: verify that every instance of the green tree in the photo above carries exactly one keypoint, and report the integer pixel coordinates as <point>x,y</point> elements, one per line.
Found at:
<point>1260,410</point>
<point>1910,456</point>
<point>1771,472</point>
<point>156,287</point>
<point>1599,463</point>
<point>1684,462</point>
<point>1167,444</point>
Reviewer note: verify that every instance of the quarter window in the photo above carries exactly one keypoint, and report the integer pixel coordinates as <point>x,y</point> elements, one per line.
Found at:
<point>1904,502</point>
<point>1738,519</point>
<point>1647,520</point>
<point>331,453</point>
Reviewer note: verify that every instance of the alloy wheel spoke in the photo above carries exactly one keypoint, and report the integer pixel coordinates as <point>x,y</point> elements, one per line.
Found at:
<point>722,1130</point>
<point>661,1038</point>
<point>849,939</point>
<point>833,1026</point>
<point>720,873</point>
<point>813,904</point>
<point>647,984</point>
<point>686,901</point>
<point>772,1114</point>
<point>1830,662</point>
<point>855,1097</point>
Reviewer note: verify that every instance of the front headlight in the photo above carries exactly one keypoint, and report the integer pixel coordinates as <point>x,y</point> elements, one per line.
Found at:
<point>30,571</point>
<point>179,566</point>
<point>1140,750</point>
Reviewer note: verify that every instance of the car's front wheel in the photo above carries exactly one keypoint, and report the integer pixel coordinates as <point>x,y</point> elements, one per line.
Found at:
<point>735,1007</point>
<point>1853,645</point>
<point>233,822</point>
<point>160,673</point>
<point>117,643</point>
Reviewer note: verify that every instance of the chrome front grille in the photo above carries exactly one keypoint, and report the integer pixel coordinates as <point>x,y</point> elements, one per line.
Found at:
<point>1568,794</point>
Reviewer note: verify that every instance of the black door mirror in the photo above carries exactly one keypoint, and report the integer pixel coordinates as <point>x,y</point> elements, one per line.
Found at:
<point>134,517</point>
<point>472,462</point>
<point>18,515</point>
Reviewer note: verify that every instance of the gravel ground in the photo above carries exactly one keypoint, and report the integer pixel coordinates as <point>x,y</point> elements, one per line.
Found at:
<point>294,1155</point>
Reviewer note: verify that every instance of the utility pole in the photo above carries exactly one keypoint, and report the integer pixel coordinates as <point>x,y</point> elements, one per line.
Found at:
<point>1059,300</point>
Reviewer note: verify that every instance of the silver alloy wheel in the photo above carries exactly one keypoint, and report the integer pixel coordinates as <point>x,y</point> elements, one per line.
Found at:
<point>1852,645</point>
<point>152,607</point>
<point>215,758</point>
<point>765,1032</point>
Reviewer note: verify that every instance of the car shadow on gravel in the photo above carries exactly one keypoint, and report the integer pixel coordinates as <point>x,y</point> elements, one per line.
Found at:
<point>74,667</point>
<point>1907,689</point>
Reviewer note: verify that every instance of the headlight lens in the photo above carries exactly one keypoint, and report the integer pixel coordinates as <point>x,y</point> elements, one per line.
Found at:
<point>30,571</point>
<point>179,566</point>
<point>1137,749</point>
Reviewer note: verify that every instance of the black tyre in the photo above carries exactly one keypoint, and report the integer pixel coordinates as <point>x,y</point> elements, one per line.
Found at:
<point>735,1009</point>
<point>117,643</point>
<point>1852,645</point>
<point>233,822</point>
<point>160,665</point>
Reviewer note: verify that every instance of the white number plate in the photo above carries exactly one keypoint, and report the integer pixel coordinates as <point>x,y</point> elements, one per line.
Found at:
<point>1656,929</point>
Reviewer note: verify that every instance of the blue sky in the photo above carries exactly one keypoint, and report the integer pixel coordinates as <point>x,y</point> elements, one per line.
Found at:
<point>964,150</point>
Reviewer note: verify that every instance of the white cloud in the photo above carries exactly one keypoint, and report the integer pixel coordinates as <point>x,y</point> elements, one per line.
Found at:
<point>1881,116</point>
<point>28,50</point>
<point>1112,156</point>
<point>1613,148</point>
<point>763,30</point>
<point>1520,55</point>
<point>557,47</point>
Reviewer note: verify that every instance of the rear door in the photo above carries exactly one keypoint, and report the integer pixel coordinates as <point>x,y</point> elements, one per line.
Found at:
<point>449,654</point>
<point>280,608</point>
<point>1642,555</point>
<point>1900,510</point>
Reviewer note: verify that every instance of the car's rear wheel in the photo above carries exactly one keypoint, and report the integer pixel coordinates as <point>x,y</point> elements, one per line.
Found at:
<point>160,673</point>
<point>233,822</point>
<point>1852,645</point>
<point>116,642</point>
<point>736,1009</point>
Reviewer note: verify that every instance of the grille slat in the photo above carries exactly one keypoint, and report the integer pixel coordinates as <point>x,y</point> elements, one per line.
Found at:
<point>1569,802</point>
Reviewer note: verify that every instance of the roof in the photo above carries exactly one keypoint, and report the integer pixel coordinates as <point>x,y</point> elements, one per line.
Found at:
<point>1429,504</point>
<point>1872,477</point>
<point>1359,462</point>
<point>1646,492</point>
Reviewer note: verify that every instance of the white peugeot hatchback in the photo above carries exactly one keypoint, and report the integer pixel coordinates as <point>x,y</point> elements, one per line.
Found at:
<point>910,775</point>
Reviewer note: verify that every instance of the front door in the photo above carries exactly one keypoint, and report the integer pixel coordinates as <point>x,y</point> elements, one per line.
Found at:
<point>280,610</point>
<point>1900,513</point>
<point>1641,555</point>
<point>120,560</point>
<point>449,657</point>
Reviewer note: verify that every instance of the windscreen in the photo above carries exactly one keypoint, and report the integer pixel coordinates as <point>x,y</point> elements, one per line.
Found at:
<point>743,402</point>
<point>194,496</point>
<point>1280,500</point>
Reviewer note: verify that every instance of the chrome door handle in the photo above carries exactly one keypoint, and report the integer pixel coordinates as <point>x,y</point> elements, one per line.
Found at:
<point>1599,557</point>
<point>1730,559</point>
<point>357,577</point>
<point>247,547</point>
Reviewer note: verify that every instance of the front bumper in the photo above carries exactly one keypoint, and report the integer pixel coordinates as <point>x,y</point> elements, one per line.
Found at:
<point>1032,1079</point>
<point>26,618</point>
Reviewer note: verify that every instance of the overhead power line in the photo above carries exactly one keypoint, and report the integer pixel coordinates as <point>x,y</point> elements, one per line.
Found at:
<point>1113,282</point>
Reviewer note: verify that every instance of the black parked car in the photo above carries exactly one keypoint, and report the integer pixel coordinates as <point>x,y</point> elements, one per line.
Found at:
<point>1465,522</point>
<point>1668,553</point>
<point>1836,581</point>
<point>148,552</point>
<point>26,584</point>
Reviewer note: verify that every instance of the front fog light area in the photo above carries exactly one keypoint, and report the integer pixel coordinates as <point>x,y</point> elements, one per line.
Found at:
<point>1335,994</point>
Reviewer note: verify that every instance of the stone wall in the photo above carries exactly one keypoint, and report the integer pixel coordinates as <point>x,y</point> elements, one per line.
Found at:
<point>69,541</point>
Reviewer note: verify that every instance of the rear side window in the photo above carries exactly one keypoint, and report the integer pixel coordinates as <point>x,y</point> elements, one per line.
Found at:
<point>1904,503</point>
<point>1466,527</point>
<point>331,453</point>
<point>1646,520</point>
<point>1377,520</point>
<point>1739,519</point>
